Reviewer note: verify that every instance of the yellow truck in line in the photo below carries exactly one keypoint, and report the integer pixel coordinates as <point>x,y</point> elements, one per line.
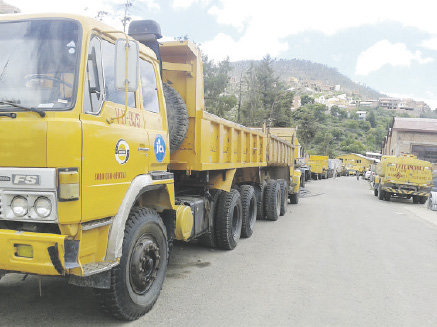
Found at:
<point>108,156</point>
<point>404,177</point>
<point>289,135</point>
<point>319,166</point>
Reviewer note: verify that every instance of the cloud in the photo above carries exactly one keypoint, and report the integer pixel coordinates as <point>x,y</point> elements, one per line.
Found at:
<point>273,21</point>
<point>184,4</point>
<point>223,46</point>
<point>386,53</point>
<point>430,44</point>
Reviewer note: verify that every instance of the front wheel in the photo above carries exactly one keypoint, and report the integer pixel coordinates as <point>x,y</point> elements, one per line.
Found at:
<point>294,198</point>
<point>137,281</point>
<point>381,193</point>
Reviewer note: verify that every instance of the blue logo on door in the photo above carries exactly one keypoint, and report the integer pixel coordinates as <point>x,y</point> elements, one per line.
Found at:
<point>159,148</point>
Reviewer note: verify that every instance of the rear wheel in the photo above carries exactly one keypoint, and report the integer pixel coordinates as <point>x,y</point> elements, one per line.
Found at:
<point>229,220</point>
<point>273,200</point>
<point>387,196</point>
<point>249,205</point>
<point>259,193</point>
<point>415,199</point>
<point>423,199</point>
<point>137,281</point>
<point>284,197</point>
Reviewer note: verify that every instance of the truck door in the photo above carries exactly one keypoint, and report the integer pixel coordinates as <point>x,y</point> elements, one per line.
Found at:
<point>154,115</point>
<point>113,154</point>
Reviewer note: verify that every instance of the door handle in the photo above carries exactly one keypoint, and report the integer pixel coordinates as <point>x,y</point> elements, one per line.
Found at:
<point>143,149</point>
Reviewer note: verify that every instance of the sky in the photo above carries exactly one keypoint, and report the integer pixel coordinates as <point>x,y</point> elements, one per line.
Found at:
<point>389,45</point>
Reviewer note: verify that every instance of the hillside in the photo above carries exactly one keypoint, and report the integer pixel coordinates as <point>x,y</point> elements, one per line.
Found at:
<point>307,72</point>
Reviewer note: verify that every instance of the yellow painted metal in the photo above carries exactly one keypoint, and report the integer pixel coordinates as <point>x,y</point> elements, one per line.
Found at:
<point>405,170</point>
<point>40,262</point>
<point>222,180</point>
<point>296,180</point>
<point>24,250</point>
<point>184,222</point>
<point>318,164</point>
<point>352,161</point>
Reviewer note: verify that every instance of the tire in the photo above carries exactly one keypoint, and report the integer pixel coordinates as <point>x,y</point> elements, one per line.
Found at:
<point>302,181</point>
<point>415,199</point>
<point>249,205</point>
<point>177,117</point>
<point>209,239</point>
<point>387,196</point>
<point>272,200</point>
<point>294,198</point>
<point>381,194</point>
<point>144,246</point>
<point>375,192</point>
<point>259,193</point>
<point>423,199</point>
<point>229,220</point>
<point>284,197</point>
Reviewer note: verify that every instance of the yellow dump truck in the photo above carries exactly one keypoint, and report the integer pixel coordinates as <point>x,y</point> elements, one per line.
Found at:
<point>404,176</point>
<point>319,166</point>
<point>108,156</point>
<point>289,135</point>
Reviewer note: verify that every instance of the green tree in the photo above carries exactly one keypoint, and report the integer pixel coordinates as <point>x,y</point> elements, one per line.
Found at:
<point>306,99</point>
<point>216,81</point>
<point>371,119</point>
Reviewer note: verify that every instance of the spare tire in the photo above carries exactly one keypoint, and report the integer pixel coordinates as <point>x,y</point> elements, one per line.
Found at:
<point>177,117</point>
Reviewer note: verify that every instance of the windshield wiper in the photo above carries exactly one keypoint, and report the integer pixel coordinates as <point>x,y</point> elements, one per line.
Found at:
<point>12,104</point>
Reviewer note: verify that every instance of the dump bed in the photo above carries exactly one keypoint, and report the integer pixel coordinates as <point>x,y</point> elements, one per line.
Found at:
<point>214,143</point>
<point>318,163</point>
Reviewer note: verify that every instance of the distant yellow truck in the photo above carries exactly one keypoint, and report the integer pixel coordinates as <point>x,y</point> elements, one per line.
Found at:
<point>319,166</point>
<point>404,177</point>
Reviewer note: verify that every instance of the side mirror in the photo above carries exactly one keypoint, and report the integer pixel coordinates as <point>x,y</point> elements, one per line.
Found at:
<point>131,61</point>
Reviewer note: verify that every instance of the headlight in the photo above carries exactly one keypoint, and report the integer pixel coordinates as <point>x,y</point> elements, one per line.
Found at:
<point>43,207</point>
<point>19,206</point>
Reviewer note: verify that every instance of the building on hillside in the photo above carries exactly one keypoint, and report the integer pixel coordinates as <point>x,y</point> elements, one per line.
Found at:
<point>368,103</point>
<point>374,155</point>
<point>412,135</point>
<point>356,162</point>
<point>8,9</point>
<point>362,115</point>
<point>389,103</point>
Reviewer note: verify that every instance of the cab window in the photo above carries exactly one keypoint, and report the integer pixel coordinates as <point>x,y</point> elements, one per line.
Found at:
<point>93,93</point>
<point>148,86</point>
<point>112,94</point>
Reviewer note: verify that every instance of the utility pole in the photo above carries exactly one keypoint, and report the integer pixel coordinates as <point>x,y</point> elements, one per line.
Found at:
<point>126,18</point>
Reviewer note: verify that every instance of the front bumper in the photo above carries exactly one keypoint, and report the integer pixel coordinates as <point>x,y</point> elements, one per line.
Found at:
<point>47,256</point>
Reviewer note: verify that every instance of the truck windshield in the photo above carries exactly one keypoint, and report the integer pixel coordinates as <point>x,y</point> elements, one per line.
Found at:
<point>39,63</point>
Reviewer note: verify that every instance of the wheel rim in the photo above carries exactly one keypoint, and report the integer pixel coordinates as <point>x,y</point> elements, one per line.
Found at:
<point>236,223</point>
<point>144,264</point>
<point>278,202</point>
<point>252,212</point>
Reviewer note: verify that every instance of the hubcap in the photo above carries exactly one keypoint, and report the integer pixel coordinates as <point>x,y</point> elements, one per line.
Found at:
<point>144,264</point>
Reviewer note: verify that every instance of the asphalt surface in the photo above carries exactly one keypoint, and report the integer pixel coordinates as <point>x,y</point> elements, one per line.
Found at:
<point>340,257</point>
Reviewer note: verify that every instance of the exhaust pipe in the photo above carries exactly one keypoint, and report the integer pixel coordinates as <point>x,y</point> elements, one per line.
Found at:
<point>147,32</point>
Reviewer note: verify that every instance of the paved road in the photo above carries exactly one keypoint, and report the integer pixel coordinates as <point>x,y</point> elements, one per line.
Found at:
<point>339,258</point>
